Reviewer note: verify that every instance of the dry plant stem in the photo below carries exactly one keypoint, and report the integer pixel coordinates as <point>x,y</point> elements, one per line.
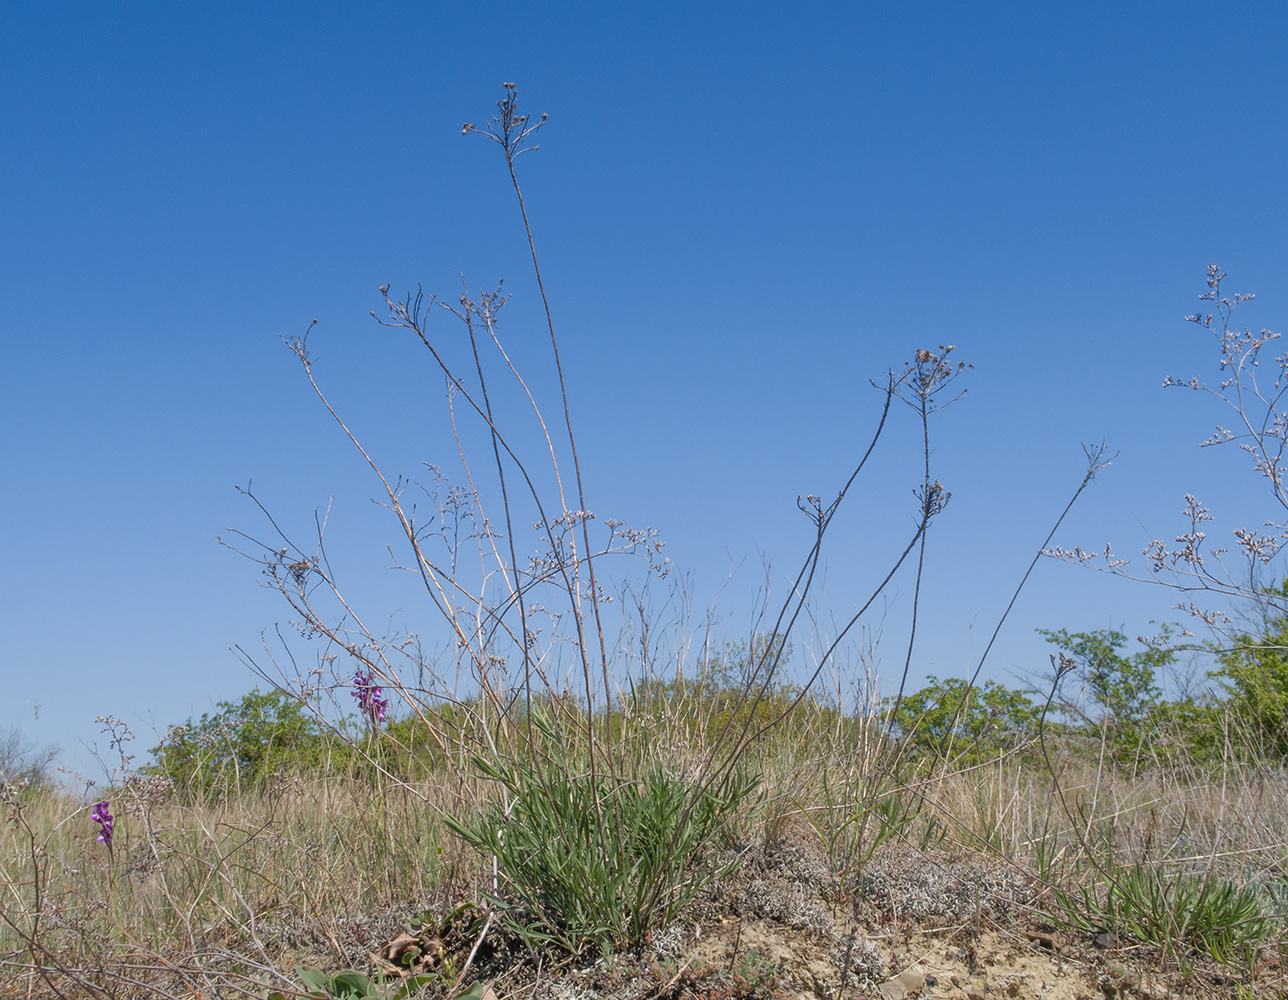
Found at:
<point>912,629</point>
<point>496,615</point>
<point>299,599</point>
<point>930,374</point>
<point>478,943</point>
<point>1240,354</point>
<point>510,130</point>
<point>488,315</point>
<point>1064,665</point>
<point>432,584</point>
<point>571,586</point>
<point>474,490</point>
<point>409,316</point>
<point>1096,463</point>
<point>1184,565</point>
<point>803,583</point>
<point>516,585</point>
<point>927,376</point>
<point>581,495</point>
<point>759,679</point>
<point>716,771</point>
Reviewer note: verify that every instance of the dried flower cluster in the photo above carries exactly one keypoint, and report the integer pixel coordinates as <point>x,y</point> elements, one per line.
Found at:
<point>1190,563</point>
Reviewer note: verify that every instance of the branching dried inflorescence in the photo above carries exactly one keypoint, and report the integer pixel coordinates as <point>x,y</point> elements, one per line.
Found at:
<point>521,614</point>
<point>507,127</point>
<point>1189,563</point>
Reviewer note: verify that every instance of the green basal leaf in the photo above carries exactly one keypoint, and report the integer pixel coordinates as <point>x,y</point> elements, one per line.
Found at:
<point>315,978</point>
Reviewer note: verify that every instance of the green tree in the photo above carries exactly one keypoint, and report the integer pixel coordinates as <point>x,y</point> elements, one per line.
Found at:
<point>1123,688</point>
<point>1254,675</point>
<point>951,719</point>
<point>242,744</point>
<point>1123,706</point>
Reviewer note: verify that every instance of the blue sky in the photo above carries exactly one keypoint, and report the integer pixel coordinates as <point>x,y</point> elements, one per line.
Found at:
<point>745,212</point>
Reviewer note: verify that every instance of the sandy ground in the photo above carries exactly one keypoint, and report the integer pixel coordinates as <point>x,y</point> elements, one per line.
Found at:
<point>911,924</point>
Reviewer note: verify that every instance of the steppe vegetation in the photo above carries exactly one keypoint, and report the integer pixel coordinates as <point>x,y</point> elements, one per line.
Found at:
<point>575,798</point>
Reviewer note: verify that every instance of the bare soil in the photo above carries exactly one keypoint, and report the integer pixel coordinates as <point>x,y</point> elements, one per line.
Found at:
<point>910,924</point>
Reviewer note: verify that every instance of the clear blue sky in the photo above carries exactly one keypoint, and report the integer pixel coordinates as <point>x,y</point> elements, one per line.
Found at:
<point>746,211</point>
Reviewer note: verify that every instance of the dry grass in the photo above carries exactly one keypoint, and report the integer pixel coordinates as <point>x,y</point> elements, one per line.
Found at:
<point>225,898</point>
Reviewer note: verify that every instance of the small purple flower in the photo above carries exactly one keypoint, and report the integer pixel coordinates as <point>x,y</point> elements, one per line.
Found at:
<point>370,698</point>
<point>100,815</point>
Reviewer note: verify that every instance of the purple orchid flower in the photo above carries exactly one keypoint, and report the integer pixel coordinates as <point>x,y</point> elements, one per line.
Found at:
<point>371,699</point>
<point>100,815</point>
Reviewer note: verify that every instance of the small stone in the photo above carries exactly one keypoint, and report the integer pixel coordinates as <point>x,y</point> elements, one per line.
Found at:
<point>911,981</point>
<point>892,990</point>
<point>1042,939</point>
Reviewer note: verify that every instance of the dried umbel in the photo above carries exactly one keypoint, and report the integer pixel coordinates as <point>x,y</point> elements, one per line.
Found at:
<point>508,128</point>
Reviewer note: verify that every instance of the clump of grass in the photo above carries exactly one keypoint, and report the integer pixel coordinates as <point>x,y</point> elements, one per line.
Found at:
<point>1208,915</point>
<point>592,860</point>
